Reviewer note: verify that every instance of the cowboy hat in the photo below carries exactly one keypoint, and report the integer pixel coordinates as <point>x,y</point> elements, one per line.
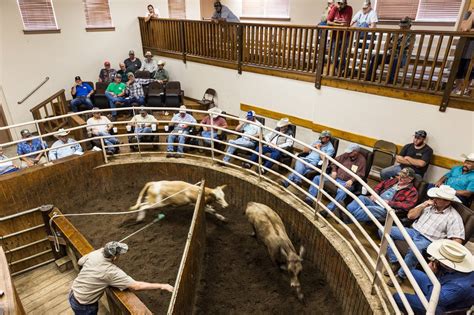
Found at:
<point>469,157</point>
<point>161,62</point>
<point>61,133</point>
<point>443,192</point>
<point>283,122</point>
<point>452,255</point>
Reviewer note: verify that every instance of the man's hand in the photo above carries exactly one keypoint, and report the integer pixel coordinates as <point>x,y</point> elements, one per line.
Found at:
<point>349,183</point>
<point>439,182</point>
<point>318,146</point>
<point>372,197</point>
<point>167,287</point>
<point>434,266</point>
<point>427,203</point>
<point>30,162</point>
<point>334,175</point>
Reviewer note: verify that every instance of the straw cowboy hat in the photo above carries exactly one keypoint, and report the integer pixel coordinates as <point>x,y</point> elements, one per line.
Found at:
<point>161,62</point>
<point>61,133</point>
<point>283,122</point>
<point>215,112</point>
<point>452,255</point>
<point>443,192</point>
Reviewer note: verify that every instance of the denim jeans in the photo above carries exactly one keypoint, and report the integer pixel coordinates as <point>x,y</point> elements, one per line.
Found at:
<point>420,241</point>
<point>83,309</point>
<point>108,141</point>
<point>139,100</point>
<point>81,100</point>
<point>181,140</point>
<point>340,194</point>
<point>379,212</point>
<point>274,154</point>
<point>390,172</point>
<point>243,142</point>
<point>425,285</point>
<point>207,134</point>
<point>140,130</point>
<point>112,100</point>
<point>302,169</point>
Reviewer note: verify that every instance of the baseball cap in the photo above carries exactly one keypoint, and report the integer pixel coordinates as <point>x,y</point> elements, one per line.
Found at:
<point>405,21</point>
<point>325,133</point>
<point>77,78</point>
<point>250,114</point>
<point>131,52</point>
<point>118,75</point>
<point>182,109</point>
<point>142,109</point>
<point>407,171</point>
<point>352,147</point>
<point>25,132</point>
<point>421,133</point>
<point>366,4</point>
<point>148,53</point>
<point>106,63</point>
<point>115,248</point>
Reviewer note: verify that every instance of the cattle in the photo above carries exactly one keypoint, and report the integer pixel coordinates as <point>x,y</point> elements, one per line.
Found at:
<point>269,229</point>
<point>177,193</point>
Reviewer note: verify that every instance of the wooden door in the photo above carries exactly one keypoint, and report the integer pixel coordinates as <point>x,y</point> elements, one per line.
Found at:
<point>207,9</point>
<point>5,136</point>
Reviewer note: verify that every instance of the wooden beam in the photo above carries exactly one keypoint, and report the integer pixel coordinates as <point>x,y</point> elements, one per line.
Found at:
<point>437,160</point>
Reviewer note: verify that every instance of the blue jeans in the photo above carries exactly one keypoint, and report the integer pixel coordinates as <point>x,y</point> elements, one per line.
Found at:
<point>112,100</point>
<point>390,172</point>
<point>207,134</point>
<point>82,309</point>
<point>340,194</point>
<point>130,100</point>
<point>425,285</point>
<point>181,140</point>
<point>139,130</point>
<point>302,169</point>
<point>108,141</point>
<point>243,142</point>
<point>274,154</point>
<point>81,100</point>
<point>420,241</point>
<point>379,212</point>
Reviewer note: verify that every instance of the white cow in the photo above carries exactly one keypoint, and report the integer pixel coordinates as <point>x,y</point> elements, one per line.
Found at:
<point>270,230</point>
<point>157,192</point>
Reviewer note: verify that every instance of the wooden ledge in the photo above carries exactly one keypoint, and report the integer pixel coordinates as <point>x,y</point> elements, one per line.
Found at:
<point>32,32</point>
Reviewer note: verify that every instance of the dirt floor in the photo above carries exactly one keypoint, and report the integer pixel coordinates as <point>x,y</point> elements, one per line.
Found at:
<point>238,276</point>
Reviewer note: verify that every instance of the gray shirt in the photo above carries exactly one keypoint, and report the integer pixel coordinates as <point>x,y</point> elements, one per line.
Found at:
<point>96,275</point>
<point>226,14</point>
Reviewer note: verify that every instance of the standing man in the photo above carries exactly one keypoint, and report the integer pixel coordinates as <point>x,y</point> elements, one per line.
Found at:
<point>98,273</point>
<point>149,64</point>
<point>107,74</point>
<point>161,74</point>
<point>436,219</point>
<point>181,122</point>
<point>64,146</point>
<point>416,155</point>
<point>132,63</point>
<point>340,14</point>
<point>314,158</point>
<point>367,17</point>
<point>223,13</point>
<point>324,16</point>
<point>115,94</point>
<point>31,146</point>
<point>461,178</point>
<point>82,94</point>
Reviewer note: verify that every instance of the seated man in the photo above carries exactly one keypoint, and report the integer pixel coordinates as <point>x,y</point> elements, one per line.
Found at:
<point>136,95</point>
<point>149,64</point>
<point>436,219</point>
<point>416,155</point>
<point>107,74</point>
<point>181,122</point>
<point>367,17</point>
<point>353,160</point>
<point>216,121</point>
<point>453,265</point>
<point>64,146</point>
<point>6,167</point>
<point>123,73</point>
<point>248,129</point>
<point>82,95</point>
<point>323,144</point>
<point>277,143</point>
<point>132,63</point>
<point>143,124</point>
<point>115,94</point>
<point>162,75</point>
<point>99,125</point>
<point>398,192</point>
<point>31,146</point>
<point>461,178</point>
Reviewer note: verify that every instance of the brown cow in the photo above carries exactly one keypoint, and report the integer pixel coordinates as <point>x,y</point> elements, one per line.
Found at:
<point>270,230</point>
<point>177,193</point>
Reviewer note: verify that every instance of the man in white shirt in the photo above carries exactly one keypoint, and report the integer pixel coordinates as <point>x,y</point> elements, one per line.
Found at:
<point>367,17</point>
<point>64,146</point>
<point>6,167</point>
<point>98,273</point>
<point>99,125</point>
<point>149,64</point>
<point>181,122</point>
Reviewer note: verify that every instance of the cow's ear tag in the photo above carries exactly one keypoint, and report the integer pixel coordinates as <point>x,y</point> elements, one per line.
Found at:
<point>160,217</point>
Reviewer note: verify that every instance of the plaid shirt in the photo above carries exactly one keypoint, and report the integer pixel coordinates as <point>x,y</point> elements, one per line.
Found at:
<point>404,199</point>
<point>436,225</point>
<point>135,89</point>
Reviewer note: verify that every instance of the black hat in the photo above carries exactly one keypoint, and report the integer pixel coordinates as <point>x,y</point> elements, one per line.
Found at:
<point>406,21</point>
<point>421,133</point>
<point>77,78</point>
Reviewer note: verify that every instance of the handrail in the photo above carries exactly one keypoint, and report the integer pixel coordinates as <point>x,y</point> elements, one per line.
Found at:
<point>374,267</point>
<point>34,90</point>
<point>48,100</point>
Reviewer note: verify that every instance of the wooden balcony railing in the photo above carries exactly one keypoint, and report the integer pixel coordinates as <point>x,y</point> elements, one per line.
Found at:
<point>55,105</point>
<point>419,61</point>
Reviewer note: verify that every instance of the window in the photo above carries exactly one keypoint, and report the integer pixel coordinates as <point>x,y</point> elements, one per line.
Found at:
<point>97,14</point>
<point>37,15</point>
<point>266,8</point>
<point>419,10</point>
<point>177,9</point>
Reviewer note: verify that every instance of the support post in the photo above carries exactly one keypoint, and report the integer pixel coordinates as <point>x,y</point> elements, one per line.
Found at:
<point>260,139</point>
<point>45,211</point>
<point>183,39</point>
<point>240,47</point>
<point>322,35</point>
<point>382,252</point>
<point>104,153</point>
<point>212,138</point>
<point>321,185</point>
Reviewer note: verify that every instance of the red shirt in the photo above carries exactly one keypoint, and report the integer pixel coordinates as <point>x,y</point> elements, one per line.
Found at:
<point>344,15</point>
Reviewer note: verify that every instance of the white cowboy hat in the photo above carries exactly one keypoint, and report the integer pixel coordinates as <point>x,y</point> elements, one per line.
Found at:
<point>61,133</point>
<point>215,112</point>
<point>443,192</point>
<point>452,255</point>
<point>283,122</point>
<point>469,157</point>
<point>161,62</point>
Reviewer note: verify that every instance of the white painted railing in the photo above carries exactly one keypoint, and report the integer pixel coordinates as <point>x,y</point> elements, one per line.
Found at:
<point>373,267</point>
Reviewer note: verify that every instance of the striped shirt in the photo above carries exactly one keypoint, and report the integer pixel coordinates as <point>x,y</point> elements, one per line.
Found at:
<point>436,225</point>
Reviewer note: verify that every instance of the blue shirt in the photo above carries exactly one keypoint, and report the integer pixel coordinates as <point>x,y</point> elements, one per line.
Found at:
<point>459,181</point>
<point>226,14</point>
<point>314,156</point>
<point>187,119</point>
<point>26,147</point>
<point>389,193</point>
<point>83,90</point>
<point>68,150</point>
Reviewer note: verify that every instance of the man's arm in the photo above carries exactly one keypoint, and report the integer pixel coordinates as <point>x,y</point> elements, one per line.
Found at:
<point>415,213</point>
<point>415,162</point>
<point>440,181</point>
<point>140,286</point>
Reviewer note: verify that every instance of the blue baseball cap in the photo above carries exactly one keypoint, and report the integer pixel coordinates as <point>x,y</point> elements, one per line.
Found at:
<point>250,114</point>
